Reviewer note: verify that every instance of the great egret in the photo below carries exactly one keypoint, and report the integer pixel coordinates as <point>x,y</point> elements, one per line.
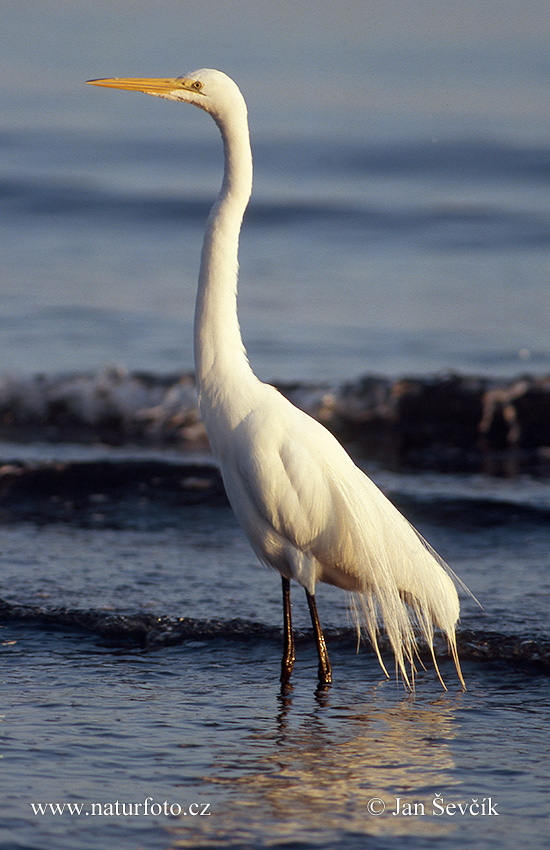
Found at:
<point>307,509</point>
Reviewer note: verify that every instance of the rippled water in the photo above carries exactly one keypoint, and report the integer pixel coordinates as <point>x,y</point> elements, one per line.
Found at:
<point>204,724</point>
<point>94,720</point>
<point>400,224</point>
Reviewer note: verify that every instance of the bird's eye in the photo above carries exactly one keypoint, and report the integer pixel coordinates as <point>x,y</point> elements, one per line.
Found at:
<point>197,85</point>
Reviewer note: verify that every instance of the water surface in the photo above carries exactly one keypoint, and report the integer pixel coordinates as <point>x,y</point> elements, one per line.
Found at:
<point>399,225</point>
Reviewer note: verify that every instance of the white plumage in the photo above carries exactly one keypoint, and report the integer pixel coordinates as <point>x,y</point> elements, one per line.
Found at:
<point>306,508</point>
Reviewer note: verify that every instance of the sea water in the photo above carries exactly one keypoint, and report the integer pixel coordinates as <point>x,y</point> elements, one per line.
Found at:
<point>399,225</point>
<point>400,215</point>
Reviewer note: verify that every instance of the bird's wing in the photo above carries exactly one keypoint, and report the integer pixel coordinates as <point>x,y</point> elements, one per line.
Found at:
<point>291,477</point>
<point>280,460</point>
<point>284,482</point>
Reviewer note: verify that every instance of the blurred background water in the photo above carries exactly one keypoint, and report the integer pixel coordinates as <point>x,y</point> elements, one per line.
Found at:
<point>400,216</point>
<point>400,224</point>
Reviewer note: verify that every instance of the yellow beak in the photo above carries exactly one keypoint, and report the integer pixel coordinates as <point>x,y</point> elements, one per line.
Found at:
<point>150,86</point>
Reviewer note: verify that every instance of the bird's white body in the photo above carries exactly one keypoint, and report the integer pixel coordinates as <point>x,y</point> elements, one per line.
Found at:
<point>311,513</point>
<point>306,508</point>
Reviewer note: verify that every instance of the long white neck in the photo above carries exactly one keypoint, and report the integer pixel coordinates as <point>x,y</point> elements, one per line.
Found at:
<point>221,363</point>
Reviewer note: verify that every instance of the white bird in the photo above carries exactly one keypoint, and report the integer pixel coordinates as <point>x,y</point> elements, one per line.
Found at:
<point>306,508</point>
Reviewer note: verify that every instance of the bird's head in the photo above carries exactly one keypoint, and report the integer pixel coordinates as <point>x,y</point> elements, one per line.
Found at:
<point>210,90</point>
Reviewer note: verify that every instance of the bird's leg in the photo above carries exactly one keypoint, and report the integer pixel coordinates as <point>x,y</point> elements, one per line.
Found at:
<point>325,673</point>
<point>288,651</point>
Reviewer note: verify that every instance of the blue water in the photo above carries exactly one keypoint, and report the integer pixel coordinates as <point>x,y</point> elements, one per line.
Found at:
<point>400,220</point>
<point>90,722</point>
<point>400,224</point>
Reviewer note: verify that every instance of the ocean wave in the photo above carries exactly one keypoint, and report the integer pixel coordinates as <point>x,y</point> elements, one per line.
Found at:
<point>455,158</point>
<point>445,422</point>
<point>151,492</point>
<point>148,631</point>
<point>134,493</point>
<point>441,226</point>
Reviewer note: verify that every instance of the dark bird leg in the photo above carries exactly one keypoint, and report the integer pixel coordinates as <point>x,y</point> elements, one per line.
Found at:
<point>288,652</point>
<point>325,674</point>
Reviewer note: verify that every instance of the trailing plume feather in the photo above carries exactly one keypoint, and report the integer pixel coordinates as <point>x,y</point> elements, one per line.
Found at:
<point>402,583</point>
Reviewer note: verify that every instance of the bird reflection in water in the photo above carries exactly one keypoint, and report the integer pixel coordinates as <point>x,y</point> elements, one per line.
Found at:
<point>334,771</point>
